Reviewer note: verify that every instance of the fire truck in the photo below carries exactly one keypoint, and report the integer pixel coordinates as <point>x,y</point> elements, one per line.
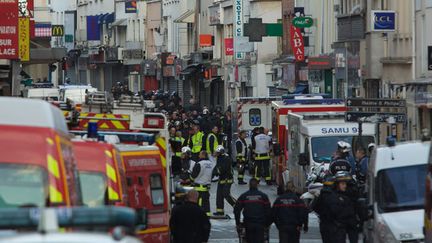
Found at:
<point>101,173</point>
<point>37,165</point>
<point>301,104</point>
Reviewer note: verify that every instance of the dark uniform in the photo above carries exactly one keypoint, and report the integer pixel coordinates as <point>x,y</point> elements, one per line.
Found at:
<point>241,147</point>
<point>256,214</point>
<point>224,170</point>
<point>337,213</point>
<point>340,165</point>
<point>189,224</point>
<point>290,214</point>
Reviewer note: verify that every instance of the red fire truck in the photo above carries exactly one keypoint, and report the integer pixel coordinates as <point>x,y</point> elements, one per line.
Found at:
<point>296,104</point>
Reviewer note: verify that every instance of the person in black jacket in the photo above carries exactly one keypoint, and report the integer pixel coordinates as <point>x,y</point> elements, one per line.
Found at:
<point>223,169</point>
<point>255,206</point>
<point>336,210</point>
<point>189,223</point>
<point>290,215</point>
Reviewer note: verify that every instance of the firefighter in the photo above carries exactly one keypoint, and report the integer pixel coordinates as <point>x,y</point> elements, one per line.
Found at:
<point>196,141</point>
<point>262,156</point>
<point>223,169</point>
<point>255,206</point>
<point>187,166</point>
<point>241,147</point>
<point>336,210</point>
<point>202,174</point>
<point>290,215</point>
<point>212,143</point>
<point>176,146</point>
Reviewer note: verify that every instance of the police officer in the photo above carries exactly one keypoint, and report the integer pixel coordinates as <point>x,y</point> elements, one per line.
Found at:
<point>223,169</point>
<point>176,146</point>
<point>361,165</point>
<point>262,156</point>
<point>241,148</point>
<point>336,210</point>
<point>202,174</point>
<point>187,166</point>
<point>340,162</point>
<point>212,143</point>
<point>255,206</point>
<point>343,152</point>
<point>196,141</point>
<point>290,215</point>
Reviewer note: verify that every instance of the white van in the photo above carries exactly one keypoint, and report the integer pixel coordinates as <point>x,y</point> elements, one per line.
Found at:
<point>396,182</point>
<point>48,94</point>
<point>75,93</point>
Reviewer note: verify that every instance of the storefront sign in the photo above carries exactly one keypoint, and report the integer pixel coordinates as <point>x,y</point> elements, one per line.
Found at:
<point>24,38</point>
<point>383,20</point>
<point>206,40</point>
<point>302,22</point>
<point>57,30</point>
<point>215,15</point>
<point>320,63</point>
<point>238,24</point>
<point>131,7</point>
<point>9,29</point>
<point>297,43</point>
<point>229,46</point>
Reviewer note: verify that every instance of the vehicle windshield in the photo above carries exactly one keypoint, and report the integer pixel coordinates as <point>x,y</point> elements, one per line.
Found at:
<point>323,148</point>
<point>22,186</point>
<point>401,189</point>
<point>93,187</point>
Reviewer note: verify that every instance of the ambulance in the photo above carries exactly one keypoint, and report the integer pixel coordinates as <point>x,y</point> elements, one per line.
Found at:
<point>101,173</point>
<point>428,202</point>
<point>312,140</point>
<point>37,165</point>
<point>299,104</point>
<point>147,188</point>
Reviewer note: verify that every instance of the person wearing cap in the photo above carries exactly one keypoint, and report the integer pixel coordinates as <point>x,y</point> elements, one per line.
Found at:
<point>336,210</point>
<point>290,215</point>
<point>187,166</point>
<point>212,143</point>
<point>202,174</point>
<point>196,140</point>
<point>371,148</point>
<point>223,169</point>
<point>241,149</point>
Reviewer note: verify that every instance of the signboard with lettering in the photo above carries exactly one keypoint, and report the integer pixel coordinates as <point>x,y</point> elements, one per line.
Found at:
<point>302,22</point>
<point>355,116</point>
<point>229,46</point>
<point>380,103</point>
<point>24,39</point>
<point>382,20</point>
<point>9,29</point>
<point>297,43</point>
<point>131,7</point>
<point>376,110</point>
<point>238,24</point>
<point>215,15</point>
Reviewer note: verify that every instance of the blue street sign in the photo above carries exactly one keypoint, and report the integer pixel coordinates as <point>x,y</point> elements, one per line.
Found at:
<point>383,20</point>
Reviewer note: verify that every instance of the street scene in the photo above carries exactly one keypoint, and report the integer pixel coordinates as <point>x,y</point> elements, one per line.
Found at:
<point>219,121</point>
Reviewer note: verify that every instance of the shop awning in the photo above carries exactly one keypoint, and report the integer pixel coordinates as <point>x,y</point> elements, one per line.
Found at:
<point>101,18</point>
<point>120,22</point>
<point>189,70</point>
<point>187,17</point>
<point>109,18</point>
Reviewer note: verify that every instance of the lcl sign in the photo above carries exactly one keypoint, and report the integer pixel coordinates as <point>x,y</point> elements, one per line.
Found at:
<point>383,20</point>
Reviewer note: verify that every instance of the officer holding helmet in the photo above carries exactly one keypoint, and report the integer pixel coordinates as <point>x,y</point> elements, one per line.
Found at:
<point>336,210</point>
<point>223,169</point>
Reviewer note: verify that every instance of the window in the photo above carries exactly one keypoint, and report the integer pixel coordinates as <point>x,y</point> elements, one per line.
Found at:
<point>140,181</point>
<point>22,185</point>
<point>93,187</point>
<point>255,117</point>
<point>156,187</point>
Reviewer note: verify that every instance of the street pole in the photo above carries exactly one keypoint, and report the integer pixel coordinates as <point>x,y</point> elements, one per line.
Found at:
<point>196,25</point>
<point>287,16</point>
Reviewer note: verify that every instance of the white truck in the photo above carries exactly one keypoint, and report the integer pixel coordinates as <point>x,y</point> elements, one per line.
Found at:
<point>312,140</point>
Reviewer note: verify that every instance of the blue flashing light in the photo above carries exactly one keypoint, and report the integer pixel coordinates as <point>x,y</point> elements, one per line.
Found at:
<point>135,137</point>
<point>92,130</point>
<point>313,102</point>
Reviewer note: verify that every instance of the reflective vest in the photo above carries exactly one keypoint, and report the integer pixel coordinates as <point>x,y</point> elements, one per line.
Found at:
<point>181,140</point>
<point>215,143</point>
<point>206,173</point>
<point>243,153</point>
<point>197,142</point>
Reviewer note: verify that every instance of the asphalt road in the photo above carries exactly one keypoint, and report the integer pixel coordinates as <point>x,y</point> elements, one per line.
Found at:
<point>224,230</point>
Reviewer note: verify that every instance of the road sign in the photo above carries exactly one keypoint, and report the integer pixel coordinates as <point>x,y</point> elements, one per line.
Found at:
<point>376,103</point>
<point>354,116</point>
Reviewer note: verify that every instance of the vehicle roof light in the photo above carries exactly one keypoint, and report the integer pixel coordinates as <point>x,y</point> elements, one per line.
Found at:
<point>313,101</point>
<point>135,137</point>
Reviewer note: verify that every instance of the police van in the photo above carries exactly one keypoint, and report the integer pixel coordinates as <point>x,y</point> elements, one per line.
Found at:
<point>396,182</point>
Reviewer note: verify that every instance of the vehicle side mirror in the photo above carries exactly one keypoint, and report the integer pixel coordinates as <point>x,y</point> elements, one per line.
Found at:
<point>304,159</point>
<point>142,215</point>
<point>276,149</point>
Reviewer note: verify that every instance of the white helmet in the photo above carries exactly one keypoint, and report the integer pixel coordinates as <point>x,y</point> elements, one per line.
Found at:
<point>186,150</point>
<point>220,149</point>
<point>344,146</point>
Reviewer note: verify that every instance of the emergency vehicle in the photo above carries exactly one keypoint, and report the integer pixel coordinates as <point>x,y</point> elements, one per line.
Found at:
<point>101,174</point>
<point>301,104</point>
<point>428,202</point>
<point>42,91</point>
<point>37,166</point>
<point>312,140</point>
<point>147,188</point>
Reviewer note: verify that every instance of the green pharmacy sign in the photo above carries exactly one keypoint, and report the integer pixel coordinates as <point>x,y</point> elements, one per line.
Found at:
<point>302,22</point>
